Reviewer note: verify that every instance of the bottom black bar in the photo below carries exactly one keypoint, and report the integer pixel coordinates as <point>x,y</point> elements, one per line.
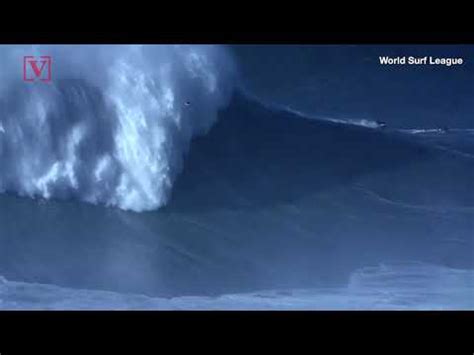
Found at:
<point>93,332</point>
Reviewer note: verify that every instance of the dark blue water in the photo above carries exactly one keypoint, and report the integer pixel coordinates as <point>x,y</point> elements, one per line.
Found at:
<point>347,81</point>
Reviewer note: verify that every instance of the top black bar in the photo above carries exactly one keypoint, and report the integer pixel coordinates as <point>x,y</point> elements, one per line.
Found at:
<point>223,37</point>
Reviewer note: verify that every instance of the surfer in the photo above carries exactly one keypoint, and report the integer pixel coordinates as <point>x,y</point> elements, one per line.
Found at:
<point>381,124</point>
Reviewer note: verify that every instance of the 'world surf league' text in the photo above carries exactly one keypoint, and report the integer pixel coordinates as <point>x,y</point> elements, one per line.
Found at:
<point>427,60</point>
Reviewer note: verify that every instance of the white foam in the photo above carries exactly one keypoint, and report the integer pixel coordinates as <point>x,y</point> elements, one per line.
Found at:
<point>389,286</point>
<point>113,125</point>
<point>359,122</point>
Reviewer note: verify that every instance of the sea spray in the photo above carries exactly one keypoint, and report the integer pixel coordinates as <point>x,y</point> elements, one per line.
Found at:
<point>113,125</point>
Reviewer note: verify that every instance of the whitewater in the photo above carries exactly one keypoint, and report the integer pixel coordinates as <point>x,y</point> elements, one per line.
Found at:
<point>410,286</point>
<point>114,124</point>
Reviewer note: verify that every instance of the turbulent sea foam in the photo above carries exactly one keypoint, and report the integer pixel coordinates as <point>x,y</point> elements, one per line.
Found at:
<point>113,125</point>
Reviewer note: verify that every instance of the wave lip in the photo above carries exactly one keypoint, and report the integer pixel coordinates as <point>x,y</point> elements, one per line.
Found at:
<point>113,126</point>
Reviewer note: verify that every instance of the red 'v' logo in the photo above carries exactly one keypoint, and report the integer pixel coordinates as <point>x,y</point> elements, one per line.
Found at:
<point>37,68</point>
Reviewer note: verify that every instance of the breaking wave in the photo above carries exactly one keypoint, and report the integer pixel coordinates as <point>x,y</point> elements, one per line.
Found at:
<point>113,125</point>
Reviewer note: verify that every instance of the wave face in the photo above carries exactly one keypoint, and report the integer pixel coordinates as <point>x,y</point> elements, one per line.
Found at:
<point>114,124</point>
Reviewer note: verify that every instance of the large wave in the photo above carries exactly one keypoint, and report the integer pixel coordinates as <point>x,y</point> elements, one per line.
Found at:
<point>267,200</point>
<point>113,125</point>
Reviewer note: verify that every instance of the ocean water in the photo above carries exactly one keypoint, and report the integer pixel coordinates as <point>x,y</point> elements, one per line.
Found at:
<point>161,179</point>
